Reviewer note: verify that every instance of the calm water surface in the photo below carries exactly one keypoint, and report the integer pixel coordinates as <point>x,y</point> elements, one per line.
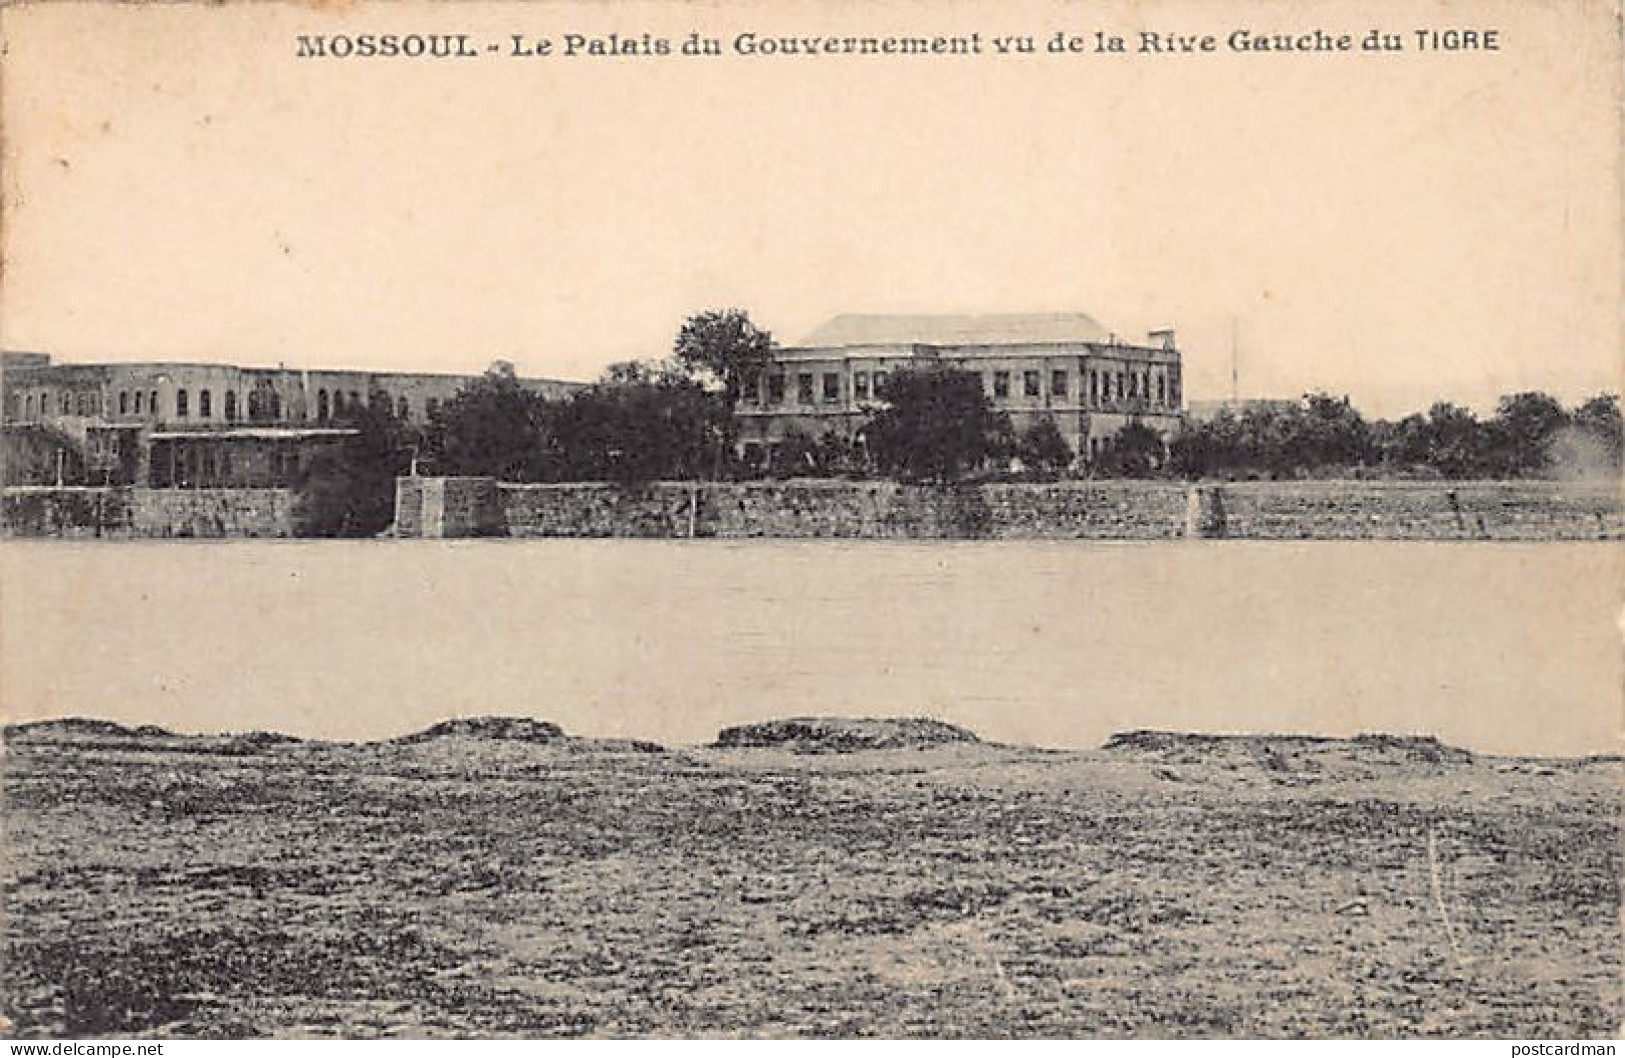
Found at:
<point>1511,648</point>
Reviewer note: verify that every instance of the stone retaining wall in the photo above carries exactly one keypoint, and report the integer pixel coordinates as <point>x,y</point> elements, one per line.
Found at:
<point>1474,510</point>
<point>1115,510</point>
<point>1107,510</point>
<point>127,511</point>
<point>861,509</point>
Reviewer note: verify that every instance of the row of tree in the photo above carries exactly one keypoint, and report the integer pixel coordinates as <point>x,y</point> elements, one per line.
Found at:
<point>674,419</point>
<point>1530,435</point>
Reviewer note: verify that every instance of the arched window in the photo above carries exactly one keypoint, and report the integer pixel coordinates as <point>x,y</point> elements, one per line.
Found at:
<point>231,405</point>
<point>403,409</point>
<point>138,396</point>
<point>124,401</point>
<point>205,404</point>
<point>152,402</point>
<point>29,406</point>
<point>182,403</point>
<point>321,405</point>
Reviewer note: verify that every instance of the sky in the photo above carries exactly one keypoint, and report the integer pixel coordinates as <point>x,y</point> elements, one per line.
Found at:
<point>1400,228</point>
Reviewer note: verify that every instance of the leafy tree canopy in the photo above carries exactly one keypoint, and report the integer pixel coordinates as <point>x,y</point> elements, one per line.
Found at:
<point>722,347</point>
<point>936,425</point>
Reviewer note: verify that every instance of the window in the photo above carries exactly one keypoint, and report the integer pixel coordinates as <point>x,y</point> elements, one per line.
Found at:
<point>1029,383</point>
<point>1057,383</point>
<point>205,404</point>
<point>138,402</point>
<point>231,405</point>
<point>322,408</point>
<point>832,388</point>
<point>1162,389</point>
<point>804,390</point>
<point>28,406</point>
<point>276,404</point>
<point>338,403</point>
<point>124,401</point>
<point>152,402</point>
<point>1119,385</point>
<point>1094,387</point>
<point>860,385</point>
<point>775,389</point>
<point>225,467</point>
<point>880,384</point>
<point>66,403</point>
<point>1001,383</point>
<point>431,406</point>
<point>403,409</point>
<point>181,404</point>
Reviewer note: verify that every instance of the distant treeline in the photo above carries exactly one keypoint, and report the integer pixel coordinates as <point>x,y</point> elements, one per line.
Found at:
<point>1530,435</point>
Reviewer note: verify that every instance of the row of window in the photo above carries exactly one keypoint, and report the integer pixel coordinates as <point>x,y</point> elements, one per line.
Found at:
<point>29,405</point>
<point>1105,387</point>
<point>206,467</point>
<point>261,405</point>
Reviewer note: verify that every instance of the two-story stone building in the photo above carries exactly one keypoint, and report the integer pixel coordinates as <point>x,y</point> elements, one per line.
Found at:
<point>196,424</point>
<point>1062,366</point>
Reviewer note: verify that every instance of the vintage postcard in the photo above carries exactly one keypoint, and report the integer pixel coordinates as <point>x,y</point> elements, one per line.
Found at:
<point>722,519</point>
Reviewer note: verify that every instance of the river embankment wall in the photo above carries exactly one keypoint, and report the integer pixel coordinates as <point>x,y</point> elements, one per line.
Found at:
<point>876,510</point>
<point>129,512</point>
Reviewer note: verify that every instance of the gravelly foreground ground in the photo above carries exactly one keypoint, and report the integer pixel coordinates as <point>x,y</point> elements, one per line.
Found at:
<point>1163,886</point>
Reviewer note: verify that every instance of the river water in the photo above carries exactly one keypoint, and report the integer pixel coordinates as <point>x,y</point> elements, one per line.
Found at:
<point>1504,648</point>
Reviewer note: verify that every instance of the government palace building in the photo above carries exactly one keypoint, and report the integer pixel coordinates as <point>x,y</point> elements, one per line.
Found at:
<point>1062,366</point>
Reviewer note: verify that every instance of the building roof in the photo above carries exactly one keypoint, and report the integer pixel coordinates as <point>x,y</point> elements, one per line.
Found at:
<point>1018,328</point>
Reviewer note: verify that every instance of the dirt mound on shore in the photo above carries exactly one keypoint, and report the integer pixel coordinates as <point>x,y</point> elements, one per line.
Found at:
<point>491,728</point>
<point>1171,747</point>
<point>842,735</point>
<point>80,727</point>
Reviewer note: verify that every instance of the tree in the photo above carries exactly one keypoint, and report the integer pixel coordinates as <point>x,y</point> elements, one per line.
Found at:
<point>796,455</point>
<point>1135,451</point>
<point>722,348</point>
<point>937,424</point>
<point>348,489</point>
<point>1326,432</point>
<point>493,427</point>
<point>1599,418</point>
<point>1043,450</point>
<point>639,423</point>
<point>1454,440</point>
<point>1524,425</point>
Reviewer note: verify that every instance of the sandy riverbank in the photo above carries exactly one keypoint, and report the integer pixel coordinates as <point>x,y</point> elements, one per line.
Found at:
<point>538,885</point>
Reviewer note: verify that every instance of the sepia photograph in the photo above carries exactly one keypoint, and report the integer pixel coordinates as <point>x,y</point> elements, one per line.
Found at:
<point>639,519</point>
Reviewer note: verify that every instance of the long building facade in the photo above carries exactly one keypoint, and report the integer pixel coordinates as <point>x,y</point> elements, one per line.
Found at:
<point>195,424</point>
<point>1064,367</point>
